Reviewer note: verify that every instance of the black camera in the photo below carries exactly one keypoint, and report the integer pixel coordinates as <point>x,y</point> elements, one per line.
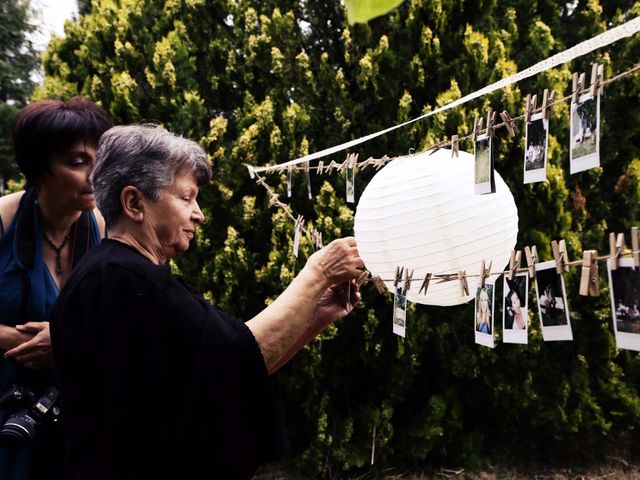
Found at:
<point>26,412</point>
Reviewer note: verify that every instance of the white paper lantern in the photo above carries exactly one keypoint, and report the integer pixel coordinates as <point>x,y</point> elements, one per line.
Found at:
<point>421,212</point>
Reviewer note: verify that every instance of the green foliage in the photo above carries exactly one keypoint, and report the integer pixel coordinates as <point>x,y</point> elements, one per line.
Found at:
<point>263,82</point>
<point>18,61</point>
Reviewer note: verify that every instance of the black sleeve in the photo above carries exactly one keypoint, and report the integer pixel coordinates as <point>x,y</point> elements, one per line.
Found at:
<point>232,419</point>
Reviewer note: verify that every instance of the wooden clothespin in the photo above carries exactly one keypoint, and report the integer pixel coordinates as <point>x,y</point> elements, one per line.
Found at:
<point>547,102</point>
<point>616,248</point>
<point>560,256</point>
<point>635,246</point>
<point>464,285</point>
<point>363,278</point>
<point>577,86</point>
<point>478,123</point>
<point>597,76</point>
<point>408,276</point>
<point>398,277</point>
<point>514,263</point>
<point>532,259</point>
<point>530,107</point>
<point>589,281</point>
<point>446,277</point>
<point>425,284</point>
<point>296,235</point>
<point>455,146</point>
<point>491,120</point>
<point>379,284</point>
<point>509,123</point>
<point>484,273</point>
<point>436,147</point>
<point>274,199</point>
<point>320,167</point>
<point>366,163</point>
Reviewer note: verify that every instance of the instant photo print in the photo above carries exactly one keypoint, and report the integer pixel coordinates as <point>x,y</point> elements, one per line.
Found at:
<point>552,303</point>
<point>585,134</point>
<point>483,314</point>
<point>535,153</point>
<point>515,313</point>
<point>625,303</point>
<point>400,309</point>
<point>484,181</point>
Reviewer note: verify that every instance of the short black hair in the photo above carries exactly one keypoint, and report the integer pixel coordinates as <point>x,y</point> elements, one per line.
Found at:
<point>514,288</point>
<point>49,127</point>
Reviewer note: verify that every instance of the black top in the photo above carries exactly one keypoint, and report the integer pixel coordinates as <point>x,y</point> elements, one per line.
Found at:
<point>156,383</point>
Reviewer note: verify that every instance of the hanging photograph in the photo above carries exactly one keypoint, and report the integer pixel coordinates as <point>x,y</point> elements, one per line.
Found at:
<point>552,303</point>
<point>535,153</point>
<point>351,189</point>
<point>483,318</point>
<point>585,134</point>
<point>515,317</point>
<point>625,303</point>
<point>484,181</point>
<point>400,309</point>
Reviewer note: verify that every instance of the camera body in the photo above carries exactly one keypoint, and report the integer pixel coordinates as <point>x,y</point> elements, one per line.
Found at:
<point>26,411</point>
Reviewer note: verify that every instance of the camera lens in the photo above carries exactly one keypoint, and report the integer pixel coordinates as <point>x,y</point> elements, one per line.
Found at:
<point>17,431</point>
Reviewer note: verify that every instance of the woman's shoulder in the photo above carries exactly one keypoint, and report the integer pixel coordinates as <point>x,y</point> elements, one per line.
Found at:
<point>8,207</point>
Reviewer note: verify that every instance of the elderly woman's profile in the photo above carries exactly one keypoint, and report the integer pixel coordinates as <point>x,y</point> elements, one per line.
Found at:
<point>155,381</point>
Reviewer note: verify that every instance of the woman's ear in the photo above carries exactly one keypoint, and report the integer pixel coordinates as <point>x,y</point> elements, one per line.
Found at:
<point>131,201</point>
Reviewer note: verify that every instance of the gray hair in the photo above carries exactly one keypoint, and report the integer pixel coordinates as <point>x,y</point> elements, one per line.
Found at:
<point>147,157</point>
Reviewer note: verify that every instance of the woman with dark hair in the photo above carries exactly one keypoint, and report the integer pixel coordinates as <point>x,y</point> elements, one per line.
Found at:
<point>44,231</point>
<point>514,316</point>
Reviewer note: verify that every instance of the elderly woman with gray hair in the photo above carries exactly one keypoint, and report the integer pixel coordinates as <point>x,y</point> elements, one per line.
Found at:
<point>156,382</point>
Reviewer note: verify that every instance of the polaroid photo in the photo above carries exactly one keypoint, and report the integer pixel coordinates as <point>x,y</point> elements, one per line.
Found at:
<point>400,309</point>
<point>289,171</point>
<point>483,314</point>
<point>585,134</point>
<point>625,303</point>
<point>553,309</point>
<point>351,190</point>
<point>515,311</point>
<point>536,145</point>
<point>484,180</point>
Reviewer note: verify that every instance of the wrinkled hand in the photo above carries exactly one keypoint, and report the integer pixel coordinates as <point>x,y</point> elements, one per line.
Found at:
<point>336,302</point>
<point>339,261</point>
<point>35,352</point>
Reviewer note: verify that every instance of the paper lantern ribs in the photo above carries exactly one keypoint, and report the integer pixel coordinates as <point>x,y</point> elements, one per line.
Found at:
<point>420,212</point>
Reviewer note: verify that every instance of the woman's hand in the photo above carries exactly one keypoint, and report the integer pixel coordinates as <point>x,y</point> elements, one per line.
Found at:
<point>336,302</point>
<point>338,262</point>
<point>35,352</point>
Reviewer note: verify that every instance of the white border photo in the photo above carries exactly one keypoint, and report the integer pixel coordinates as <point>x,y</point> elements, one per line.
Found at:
<point>515,311</point>
<point>483,310</point>
<point>553,310</point>
<point>584,151</point>
<point>536,145</point>
<point>400,310</point>
<point>483,165</point>
<point>625,303</point>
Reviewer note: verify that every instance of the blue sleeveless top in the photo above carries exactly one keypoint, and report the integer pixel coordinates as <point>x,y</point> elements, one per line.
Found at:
<point>27,294</point>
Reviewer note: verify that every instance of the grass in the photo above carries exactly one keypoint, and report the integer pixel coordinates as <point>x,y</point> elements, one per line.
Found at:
<point>614,469</point>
